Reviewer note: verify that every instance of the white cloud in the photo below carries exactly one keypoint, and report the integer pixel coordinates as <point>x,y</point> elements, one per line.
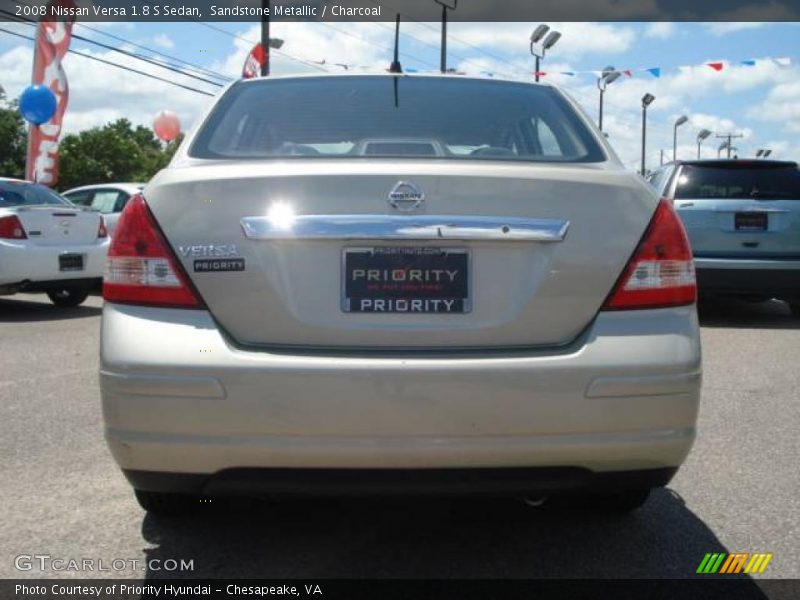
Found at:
<point>660,30</point>
<point>162,40</point>
<point>781,105</point>
<point>721,28</point>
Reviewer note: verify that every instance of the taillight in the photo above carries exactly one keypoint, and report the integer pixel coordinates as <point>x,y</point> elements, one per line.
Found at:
<point>11,228</point>
<point>141,267</point>
<point>102,232</point>
<point>661,271</point>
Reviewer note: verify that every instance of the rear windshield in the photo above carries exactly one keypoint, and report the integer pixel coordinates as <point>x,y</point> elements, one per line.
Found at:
<point>397,117</point>
<point>698,181</point>
<point>13,193</point>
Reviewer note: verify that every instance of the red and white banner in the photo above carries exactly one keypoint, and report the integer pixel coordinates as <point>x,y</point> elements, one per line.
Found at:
<point>254,61</point>
<point>52,43</point>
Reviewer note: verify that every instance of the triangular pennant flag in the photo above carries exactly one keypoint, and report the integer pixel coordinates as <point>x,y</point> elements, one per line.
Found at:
<point>749,63</point>
<point>628,72</point>
<point>540,73</point>
<point>655,71</point>
<point>783,61</point>
<point>717,66</point>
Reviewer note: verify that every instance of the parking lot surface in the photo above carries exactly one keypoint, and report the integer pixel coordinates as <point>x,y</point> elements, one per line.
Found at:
<point>63,496</point>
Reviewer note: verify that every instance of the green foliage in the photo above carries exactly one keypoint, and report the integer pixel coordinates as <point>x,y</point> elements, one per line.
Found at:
<point>13,140</point>
<point>115,152</point>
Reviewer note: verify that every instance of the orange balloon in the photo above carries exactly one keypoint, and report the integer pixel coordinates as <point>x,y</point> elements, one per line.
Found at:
<point>167,125</point>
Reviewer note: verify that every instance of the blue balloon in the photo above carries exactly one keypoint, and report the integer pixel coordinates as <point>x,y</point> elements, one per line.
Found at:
<point>37,104</point>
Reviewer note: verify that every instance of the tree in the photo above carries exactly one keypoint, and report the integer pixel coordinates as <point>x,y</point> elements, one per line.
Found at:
<point>13,140</point>
<point>113,153</point>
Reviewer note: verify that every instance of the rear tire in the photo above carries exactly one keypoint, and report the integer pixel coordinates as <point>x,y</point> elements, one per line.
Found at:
<point>68,296</point>
<point>166,504</point>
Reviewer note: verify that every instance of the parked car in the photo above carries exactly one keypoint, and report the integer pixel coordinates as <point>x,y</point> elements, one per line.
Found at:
<point>743,221</point>
<point>48,244</point>
<point>398,284</point>
<point>108,199</point>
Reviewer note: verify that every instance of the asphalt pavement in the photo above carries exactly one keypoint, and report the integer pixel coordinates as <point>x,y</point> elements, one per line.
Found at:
<point>62,495</point>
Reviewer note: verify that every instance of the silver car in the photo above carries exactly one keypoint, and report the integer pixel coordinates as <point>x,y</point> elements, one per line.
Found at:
<point>398,284</point>
<point>743,222</point>
<point>109,199</point>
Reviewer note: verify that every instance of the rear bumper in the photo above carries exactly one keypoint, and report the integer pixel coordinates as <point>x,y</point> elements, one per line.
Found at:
<point>23,266</point>
<point>179,399</point>
<point>773,278</point>
<point>394,482</point>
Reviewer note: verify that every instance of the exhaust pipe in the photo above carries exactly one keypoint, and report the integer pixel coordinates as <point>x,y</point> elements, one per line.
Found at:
<point>534,501</point>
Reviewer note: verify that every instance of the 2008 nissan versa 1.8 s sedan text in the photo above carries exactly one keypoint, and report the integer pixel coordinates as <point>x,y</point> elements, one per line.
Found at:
<point>398,284</point>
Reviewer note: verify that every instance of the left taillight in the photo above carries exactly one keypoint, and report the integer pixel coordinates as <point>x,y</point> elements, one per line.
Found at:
<point>11,228</point>
<point>102,232</point>
<point>141,267</point>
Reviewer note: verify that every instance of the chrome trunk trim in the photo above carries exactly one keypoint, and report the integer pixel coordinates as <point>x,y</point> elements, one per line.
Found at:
<point>395,227</point>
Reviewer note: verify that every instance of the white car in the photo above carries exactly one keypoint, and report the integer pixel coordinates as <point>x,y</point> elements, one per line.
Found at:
<point>48,244</point>
<point>107,198</point>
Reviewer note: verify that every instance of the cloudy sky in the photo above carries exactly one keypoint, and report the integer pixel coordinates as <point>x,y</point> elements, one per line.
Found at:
<point>762,102</point>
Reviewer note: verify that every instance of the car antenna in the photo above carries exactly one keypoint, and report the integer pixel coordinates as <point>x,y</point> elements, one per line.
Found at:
<point>395,67</point>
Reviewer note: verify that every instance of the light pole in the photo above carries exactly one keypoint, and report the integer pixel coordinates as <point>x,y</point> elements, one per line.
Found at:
<point>722,147</point>
<point>538,49</point>
<point>704,133</point>
<point>680,121</point>
<point>647,100</point>
<point>610,75</point>
<point>446,5</point>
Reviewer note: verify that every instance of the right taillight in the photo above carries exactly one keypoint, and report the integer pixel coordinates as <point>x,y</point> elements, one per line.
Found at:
<point>141,267</point>
<point>661,271</point>
<point>11,228</point>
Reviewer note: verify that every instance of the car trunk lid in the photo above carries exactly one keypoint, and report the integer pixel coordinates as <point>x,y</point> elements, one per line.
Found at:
<point>59,225</point>
<point>542,246</point>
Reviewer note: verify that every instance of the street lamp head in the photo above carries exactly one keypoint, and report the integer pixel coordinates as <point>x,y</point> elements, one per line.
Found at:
<point>275,43</point>
<point>539,33</point>
<point>759,153</point>
<point>612,77</point>
<point>551,39</point>
<point>704,133</point>
<point>681,120</point>
<point>767,153</point>
<point>723,145</point>
<point>647,100</point>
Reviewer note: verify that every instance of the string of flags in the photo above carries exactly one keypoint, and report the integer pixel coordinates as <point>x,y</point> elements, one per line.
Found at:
<point>656,72</point>
<point>651,72</point>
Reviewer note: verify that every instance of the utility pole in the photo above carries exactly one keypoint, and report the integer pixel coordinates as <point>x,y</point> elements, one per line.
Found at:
<point>729,137</point>
<point>446,5</point>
